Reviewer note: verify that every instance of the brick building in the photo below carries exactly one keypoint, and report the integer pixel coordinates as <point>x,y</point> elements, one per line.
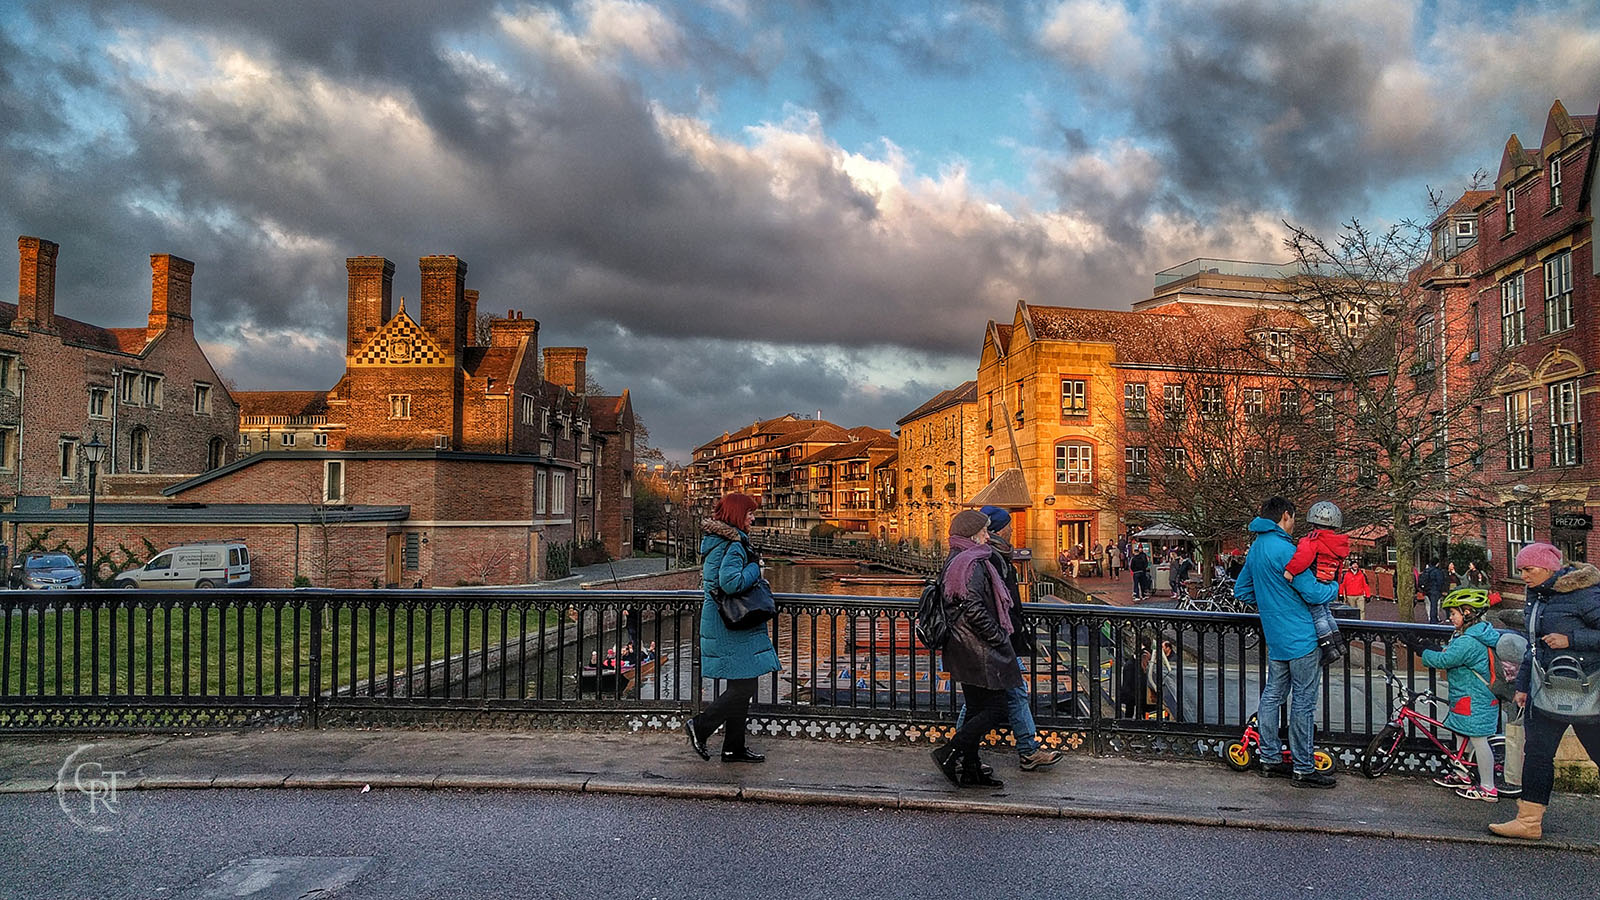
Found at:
<point>1516,265</point>
<point>148,393</point>
<point>939,463</point>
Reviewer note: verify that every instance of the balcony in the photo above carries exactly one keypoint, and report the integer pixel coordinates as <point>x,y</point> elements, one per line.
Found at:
<point>286,421</point>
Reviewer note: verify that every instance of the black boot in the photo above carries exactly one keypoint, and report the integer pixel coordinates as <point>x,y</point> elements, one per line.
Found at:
<point>949,763</point>
<point>1332,648</point>
<point>973,775</point>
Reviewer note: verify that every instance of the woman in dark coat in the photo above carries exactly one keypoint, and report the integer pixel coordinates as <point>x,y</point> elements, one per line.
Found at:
<point>1566,600</point>
<point>978,655</point>
<point>739,657</point>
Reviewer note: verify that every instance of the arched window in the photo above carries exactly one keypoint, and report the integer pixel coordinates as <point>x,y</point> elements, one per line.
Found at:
<point>139,450</point>
<point>991,463</point>
<point>215,454</point>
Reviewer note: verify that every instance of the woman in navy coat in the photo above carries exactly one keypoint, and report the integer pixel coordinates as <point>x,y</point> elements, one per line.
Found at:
<point>738,657</point>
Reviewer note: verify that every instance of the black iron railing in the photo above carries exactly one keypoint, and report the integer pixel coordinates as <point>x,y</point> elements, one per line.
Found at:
<point>1119,678</point>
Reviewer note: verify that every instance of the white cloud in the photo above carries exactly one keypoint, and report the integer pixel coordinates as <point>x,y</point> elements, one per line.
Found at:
<point>1091,34</point>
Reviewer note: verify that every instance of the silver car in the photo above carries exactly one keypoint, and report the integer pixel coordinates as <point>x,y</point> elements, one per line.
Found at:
<point>46,572</point>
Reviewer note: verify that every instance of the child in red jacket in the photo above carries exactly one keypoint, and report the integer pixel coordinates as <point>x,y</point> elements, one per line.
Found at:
<point>1324,552</point>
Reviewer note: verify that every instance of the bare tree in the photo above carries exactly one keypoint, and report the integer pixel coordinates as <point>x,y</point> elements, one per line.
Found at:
<point>1395,329</point>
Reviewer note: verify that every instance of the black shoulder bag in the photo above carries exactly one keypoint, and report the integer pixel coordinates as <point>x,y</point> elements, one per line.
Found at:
<point>751,608</point>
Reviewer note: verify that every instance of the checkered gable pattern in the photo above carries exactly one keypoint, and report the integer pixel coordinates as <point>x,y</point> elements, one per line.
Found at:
<point>401,342</point>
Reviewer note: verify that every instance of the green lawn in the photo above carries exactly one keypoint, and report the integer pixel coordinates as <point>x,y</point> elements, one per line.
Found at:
<point>216,666</point>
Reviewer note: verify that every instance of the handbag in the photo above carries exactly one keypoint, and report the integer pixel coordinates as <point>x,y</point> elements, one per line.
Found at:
<point>751,608</point>
<point>1566,690</point>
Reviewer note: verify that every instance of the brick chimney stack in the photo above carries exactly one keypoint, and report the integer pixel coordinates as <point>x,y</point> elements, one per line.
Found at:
<point>171,285</point>
<point>371,301</point>
<point>36,284</point>
<point>444,301</point>
<point>565,366</point>
<point>471,298</point>
<point>509,332</point>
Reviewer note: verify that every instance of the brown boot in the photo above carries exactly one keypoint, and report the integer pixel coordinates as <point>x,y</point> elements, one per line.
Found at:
<point>1528,825</point>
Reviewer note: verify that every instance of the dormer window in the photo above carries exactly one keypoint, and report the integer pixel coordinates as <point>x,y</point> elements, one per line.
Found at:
<point>1465,228</point>
<point>1555,181</point>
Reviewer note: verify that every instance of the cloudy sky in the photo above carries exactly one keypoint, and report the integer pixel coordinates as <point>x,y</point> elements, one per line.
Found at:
<point>742,208</point>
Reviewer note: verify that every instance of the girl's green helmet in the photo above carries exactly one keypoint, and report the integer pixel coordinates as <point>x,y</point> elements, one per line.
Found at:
<point>1475,599</point>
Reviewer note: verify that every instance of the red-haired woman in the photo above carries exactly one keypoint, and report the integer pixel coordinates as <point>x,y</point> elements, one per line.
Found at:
<point>739,657</point>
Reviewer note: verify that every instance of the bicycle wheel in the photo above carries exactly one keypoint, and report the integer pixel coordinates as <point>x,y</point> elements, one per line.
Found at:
<point>1239,756</point>
<point>1322,762</point>
<point>1381,751</point>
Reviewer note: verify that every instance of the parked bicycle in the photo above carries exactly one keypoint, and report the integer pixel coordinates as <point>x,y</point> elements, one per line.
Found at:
<point>1384,747</point>
<point>1243,754</point>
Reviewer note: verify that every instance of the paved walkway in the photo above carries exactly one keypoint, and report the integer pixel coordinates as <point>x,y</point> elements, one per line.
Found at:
<point>797,771</point>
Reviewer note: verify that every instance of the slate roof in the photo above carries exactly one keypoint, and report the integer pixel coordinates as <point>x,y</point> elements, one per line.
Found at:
<point>606,412</point>
<point>490,362</point>
<point>212,513</point>
<point>966,392</point>
<point>282,403</point>
<point>117,340</point>
<point>852,450</point>
<point>1167,335</point>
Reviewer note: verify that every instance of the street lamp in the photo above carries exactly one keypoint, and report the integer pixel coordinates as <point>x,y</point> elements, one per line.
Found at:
<point>667,508</point>
<point>93,452</point>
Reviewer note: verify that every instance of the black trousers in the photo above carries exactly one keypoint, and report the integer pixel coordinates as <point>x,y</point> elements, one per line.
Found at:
<point>730,710</point>
<point>986,709</point>
<point>1543,735</point>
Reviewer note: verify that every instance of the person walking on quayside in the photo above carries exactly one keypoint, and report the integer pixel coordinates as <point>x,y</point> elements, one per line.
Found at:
<point>739,657</point>
<point>1019,707</point>
<point>1294,662</point>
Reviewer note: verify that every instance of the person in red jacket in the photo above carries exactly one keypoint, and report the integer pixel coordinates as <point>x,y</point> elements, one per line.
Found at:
<point>1324,552</point>
<point>1354,587</point>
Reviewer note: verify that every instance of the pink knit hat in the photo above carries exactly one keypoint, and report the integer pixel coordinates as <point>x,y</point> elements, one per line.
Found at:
<point>1541,554</point>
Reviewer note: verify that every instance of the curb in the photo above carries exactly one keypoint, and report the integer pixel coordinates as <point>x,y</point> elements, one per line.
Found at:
<point>794,796</point>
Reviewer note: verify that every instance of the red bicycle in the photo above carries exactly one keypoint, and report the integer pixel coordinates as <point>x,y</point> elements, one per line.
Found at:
<point>1385,745</point>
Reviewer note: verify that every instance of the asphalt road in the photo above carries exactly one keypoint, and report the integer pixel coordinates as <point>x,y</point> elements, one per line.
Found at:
<point>440,844</point>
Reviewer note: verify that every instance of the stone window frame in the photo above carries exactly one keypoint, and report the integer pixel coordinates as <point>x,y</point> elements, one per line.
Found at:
<point>541,492</point>
<point>333,488</point>
<point>150,391</point>
<point>1253,401</point>
<point>1074,397</point>
<point>244,440</point>
<point>216,453</point>
<point>103,395</point>
<point>68,459</point>
<point>8,448</point>
<point>1558,313</point>
<point>202,398</point>
<point>1074,463</point>
<point>1513,312</point>
<point>1566,423</point>
<point>1519,430</point>
<point>319,440</point>
<point>139,449</point>
<point>286,439</point>
<point>10,372</point>
<point>530,410</point>
<point>558,493</point>
<point>1554,171</point>
<point>128,387</point>
<point>399,406</point>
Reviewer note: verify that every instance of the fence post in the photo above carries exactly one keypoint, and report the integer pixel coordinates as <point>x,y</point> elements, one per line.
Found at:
<point>1095,633</point>
<point>314,664</point>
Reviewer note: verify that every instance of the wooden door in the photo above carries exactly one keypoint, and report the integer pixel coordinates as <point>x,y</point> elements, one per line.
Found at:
<point>393,561</point>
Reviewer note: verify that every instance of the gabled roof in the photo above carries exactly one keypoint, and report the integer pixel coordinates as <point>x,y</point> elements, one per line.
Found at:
<point>490,362</point>
<point>868,433</point>
<point>1515,163</point>
<point>117,340</point>
<point>820,433</point>
<point>401,341</point>
<point>966,392</point>
<point>605,413</point>
<point>282,403</point>
<point>1468,202</point>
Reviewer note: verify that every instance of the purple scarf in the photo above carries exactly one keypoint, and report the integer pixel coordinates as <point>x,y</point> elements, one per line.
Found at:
<point>971,553</point>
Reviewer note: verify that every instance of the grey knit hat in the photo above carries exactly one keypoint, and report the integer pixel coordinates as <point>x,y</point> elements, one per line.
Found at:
<point>968,523</point>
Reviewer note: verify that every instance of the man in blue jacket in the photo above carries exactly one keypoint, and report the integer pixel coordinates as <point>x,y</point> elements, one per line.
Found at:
<point>1294,664</point>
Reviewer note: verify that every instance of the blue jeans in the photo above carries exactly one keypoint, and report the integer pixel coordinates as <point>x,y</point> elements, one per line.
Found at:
<point>1322,620</point>
<point>1020,712</point>
<point>1297,680</point>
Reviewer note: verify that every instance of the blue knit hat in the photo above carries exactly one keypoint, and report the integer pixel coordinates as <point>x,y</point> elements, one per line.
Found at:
<point>998,518</point>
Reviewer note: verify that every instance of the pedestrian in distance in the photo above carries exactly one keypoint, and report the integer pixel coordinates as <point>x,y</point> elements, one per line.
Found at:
<point>1323,551</point>
<point>1019,707</point>
<point>978,655</point>
<point>1433,582</point>
<point>1354,587</point>
<point>1139,565</point>
<point>1563,615</point>
<point>738,657</point>
<point>1113,560</point>
<point>1294,669</point>
<point>1468,661</point>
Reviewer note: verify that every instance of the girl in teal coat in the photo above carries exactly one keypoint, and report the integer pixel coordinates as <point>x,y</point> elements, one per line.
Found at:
<point>1469,666</point>
<point>738,657</point>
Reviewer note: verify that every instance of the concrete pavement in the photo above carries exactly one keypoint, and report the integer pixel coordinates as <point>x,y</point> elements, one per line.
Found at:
<point>798,771</point>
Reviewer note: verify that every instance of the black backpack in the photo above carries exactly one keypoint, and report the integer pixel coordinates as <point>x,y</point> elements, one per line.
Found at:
<point>933,620</point>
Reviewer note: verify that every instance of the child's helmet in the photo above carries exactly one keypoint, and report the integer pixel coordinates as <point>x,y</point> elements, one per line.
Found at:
<point>1472,601</point>
<point>1326,514</point>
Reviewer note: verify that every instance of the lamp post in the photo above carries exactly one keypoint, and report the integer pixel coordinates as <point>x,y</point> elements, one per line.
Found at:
<point>93,452</point>
<point>667,508</point>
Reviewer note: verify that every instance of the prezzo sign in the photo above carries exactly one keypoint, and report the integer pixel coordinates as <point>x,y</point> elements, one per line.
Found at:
<point>1576,521</point>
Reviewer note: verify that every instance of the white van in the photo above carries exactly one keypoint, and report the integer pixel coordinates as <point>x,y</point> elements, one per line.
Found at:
<point>205,565</point>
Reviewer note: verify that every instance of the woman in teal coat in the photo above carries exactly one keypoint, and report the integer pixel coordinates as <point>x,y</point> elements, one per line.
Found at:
<point>738,657</point>
<point>1474,709</point>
